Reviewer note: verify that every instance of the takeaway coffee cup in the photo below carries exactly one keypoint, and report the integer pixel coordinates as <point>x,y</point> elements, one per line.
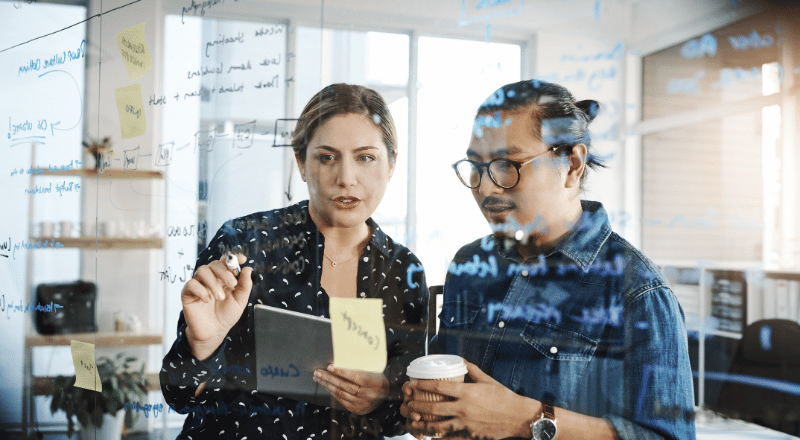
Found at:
<point>447,367</point>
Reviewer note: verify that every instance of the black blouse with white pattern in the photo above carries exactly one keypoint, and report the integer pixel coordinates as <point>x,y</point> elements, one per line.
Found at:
<point>285,250</point>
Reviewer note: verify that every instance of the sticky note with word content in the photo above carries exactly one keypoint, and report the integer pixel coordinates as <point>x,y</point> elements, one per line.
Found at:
<point>133,48</point>
<point>131,110</point>
<point>86,374</point>
<point>359,336</point>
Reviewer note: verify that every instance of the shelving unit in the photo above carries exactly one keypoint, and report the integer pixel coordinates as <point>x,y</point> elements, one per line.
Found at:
<point>108,172</point>
<point>99,339</point>
<point>40,385</point>
<point>106,243</point>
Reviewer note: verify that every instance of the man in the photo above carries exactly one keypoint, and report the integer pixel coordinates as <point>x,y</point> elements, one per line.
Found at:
<point>568,331</point>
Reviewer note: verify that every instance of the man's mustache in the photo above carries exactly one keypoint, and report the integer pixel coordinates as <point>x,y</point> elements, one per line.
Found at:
<point>495,202</point>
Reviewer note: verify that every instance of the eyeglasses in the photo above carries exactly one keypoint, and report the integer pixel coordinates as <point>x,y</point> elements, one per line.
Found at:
<point>503,172</point>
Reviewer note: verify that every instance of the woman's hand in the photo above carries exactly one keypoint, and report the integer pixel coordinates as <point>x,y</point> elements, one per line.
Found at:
<point>357,391</point>
<point>213,301</point>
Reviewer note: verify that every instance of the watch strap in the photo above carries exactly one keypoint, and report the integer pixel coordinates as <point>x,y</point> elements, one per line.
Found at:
<point>548,411</point>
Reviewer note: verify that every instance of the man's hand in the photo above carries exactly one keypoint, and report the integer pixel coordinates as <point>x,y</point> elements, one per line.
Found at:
<point>357,391</point>
<point>481,410</point>
<point>213,301</point>
<point>408,414</point>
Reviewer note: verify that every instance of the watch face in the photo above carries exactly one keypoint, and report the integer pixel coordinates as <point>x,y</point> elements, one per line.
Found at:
<point>544,429</point>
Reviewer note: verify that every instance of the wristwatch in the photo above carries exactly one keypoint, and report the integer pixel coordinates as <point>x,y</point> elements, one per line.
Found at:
<point>545,427</point>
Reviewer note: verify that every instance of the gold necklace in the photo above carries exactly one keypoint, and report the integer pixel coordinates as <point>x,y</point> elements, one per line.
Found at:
<point>333,263</point>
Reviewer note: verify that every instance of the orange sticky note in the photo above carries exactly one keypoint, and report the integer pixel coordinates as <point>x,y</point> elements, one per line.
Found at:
<point>359,336</point>
<point>86,374</point>
<point>131,110</point>
<point>133,47</point>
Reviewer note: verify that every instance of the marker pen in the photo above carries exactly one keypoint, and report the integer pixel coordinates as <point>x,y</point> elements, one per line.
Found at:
<point>233,264</point>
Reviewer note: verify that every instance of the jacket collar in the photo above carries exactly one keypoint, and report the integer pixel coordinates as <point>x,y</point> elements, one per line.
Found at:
<point>584,241</point>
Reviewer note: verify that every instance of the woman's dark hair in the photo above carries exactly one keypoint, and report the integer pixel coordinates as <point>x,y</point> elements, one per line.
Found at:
<point>344,99</point>
<point>559,121</point>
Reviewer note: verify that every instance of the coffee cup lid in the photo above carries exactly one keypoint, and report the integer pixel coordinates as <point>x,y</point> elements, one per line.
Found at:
<point>437,366</point>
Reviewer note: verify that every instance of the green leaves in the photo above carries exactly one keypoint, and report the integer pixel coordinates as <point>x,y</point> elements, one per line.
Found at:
<point>120,385</point>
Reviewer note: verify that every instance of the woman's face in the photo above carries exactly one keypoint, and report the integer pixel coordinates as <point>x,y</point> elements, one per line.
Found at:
<point>347,169</point>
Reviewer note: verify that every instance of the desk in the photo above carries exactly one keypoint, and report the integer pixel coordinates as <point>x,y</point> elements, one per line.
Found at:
<point>710,426</point>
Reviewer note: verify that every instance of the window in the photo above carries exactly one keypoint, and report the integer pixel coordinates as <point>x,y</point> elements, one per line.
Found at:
<point>455,77</point>
<point>715,108</point>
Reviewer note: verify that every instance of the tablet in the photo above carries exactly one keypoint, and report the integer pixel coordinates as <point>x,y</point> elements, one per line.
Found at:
<point>289,347</point>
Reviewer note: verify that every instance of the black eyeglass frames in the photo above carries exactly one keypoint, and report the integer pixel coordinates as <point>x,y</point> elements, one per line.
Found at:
<point>503,172</point>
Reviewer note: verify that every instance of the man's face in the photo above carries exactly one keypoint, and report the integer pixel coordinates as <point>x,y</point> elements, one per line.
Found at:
<point>539,197</point>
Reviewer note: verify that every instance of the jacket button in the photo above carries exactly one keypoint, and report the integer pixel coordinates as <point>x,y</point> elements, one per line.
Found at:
<point>501,324</point>
<point>553,350</point>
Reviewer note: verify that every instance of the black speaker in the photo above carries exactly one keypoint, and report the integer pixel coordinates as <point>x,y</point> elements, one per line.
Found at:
<point>77,312</point>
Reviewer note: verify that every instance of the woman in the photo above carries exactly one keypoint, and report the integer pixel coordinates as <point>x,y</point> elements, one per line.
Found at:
<point>297,258</point>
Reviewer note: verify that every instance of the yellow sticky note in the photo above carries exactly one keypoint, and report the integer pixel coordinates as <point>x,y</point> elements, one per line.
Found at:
<point>133,48</point>
<point>86,375</point>
<point>359,337</point>
<point>131,110</point>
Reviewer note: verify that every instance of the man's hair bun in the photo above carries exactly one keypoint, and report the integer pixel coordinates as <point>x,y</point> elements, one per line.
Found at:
<point>589,107</point>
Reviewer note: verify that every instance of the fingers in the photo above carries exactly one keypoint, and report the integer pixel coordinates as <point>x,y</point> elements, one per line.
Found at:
<point>410,418</point>
<point>417,434</point>
<point>338,386</point>
<point>356,377</point>
<point>433,408</point>
<point>406,412</point>
<point>407,390</point>
<point>218,279</point>
<point>245,285</point>
<point>435,429</point>
<point>451,389</point>
<point>206,276</point>
<point>224,276</point>
<point>477,374</point>
<point>195,289</point>
<point>362,378</point>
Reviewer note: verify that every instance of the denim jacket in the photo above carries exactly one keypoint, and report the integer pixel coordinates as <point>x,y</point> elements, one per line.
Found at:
<point>593,327</point>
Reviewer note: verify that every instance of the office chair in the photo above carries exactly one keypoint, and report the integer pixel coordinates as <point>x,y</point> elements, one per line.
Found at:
<point>763,383</point>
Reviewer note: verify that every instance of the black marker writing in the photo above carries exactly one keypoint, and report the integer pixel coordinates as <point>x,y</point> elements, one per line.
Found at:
<point>165,275</point>
<point>269,84</point>
<point>269,31</point>
<point>223,39</point>
<point>358,330</point>
<point>204,71</point>
<point>194,6</point>
<point>242,66</point>
<point>272,61</point>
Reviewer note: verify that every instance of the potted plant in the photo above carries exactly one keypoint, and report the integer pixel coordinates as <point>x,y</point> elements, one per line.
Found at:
<point>120,385</point>
<point>97,148</point>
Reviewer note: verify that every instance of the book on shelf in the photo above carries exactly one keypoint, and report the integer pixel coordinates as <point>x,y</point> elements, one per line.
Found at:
<point>768,298</point>
<point>781,299</point>
<point>794,300</point>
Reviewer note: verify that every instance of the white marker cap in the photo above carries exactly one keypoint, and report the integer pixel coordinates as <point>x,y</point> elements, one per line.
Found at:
<point>233,263</point>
